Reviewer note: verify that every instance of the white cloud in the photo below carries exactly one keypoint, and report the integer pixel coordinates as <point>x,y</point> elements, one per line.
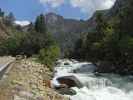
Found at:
<point>22,23</point>
<point>86,6</point>
<point>53,3</point>
<point>103,4</point>
<point>92,5</point>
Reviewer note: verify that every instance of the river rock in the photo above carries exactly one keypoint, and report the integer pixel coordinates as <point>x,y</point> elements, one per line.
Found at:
<point>66,91</point>
<point>27,82</point>
<point>70,81</point>
<point>18,98</point>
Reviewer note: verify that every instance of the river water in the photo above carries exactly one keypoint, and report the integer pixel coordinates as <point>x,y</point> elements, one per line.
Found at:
<point>101,87</point>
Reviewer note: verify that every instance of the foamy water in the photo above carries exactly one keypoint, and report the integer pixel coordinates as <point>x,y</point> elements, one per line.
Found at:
<point>104,87</point>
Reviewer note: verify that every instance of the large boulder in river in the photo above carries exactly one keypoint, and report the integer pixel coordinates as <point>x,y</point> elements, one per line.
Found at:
<point>66,91</point>
<point>106,67</point>
<point>70,81</point>
<point>86,68</point>
<point>66,83</point>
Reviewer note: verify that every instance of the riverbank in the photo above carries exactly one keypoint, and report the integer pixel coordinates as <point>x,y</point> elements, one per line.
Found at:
<point>94,87</point>
<point>27,80</point>
<point>114,68</point>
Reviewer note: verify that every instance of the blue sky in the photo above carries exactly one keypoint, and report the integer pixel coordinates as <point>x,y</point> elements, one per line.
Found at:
<point>76,9</point>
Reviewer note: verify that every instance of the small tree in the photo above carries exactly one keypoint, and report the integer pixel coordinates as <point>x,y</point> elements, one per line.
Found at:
<point>101,26</point>
<point>49,55</point>
<point>1,13</point>
<point>40,24</point>
<point>125,17</point>
<point>10,18</point>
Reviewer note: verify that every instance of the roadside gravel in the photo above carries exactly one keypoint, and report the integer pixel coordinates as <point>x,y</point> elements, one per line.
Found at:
<point>27,80</point>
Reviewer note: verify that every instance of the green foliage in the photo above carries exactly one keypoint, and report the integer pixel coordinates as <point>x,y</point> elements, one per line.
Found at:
<point>9,19</point>
<point>78,49</point>
<point>12,44</point>
<point>1,13</point>
<point>40,24</point>
<point>112,42</point>
<point>27,43</point>
<point>49,55</point>
<point>126,48</point>
<point>101,26</point>
<point>36,41</point>
<point>125,17</point>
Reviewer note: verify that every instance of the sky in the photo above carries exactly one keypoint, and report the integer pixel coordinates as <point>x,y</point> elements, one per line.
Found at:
<point>75,9</point>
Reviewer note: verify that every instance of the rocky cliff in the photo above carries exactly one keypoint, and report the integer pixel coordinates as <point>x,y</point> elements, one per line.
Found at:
<point>65,31</point>
<point>4,31</point>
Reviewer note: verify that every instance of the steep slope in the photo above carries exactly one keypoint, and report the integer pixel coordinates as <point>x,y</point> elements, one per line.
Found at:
<point>109,13</point>
<point>59,24</point>
<point>4,32</point>
<point>65,31</point>
<point>119,4</point>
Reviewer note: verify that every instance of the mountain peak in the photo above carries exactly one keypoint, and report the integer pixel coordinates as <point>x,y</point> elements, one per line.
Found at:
<point>52,18</point>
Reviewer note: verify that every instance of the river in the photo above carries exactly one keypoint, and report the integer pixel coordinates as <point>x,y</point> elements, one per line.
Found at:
<point>97,87</point>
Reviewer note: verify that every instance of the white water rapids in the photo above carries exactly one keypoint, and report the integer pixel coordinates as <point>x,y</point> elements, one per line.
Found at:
<point>103,87</point>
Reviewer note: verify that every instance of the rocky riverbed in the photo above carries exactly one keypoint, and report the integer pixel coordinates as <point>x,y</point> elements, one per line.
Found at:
<point>27,80</point>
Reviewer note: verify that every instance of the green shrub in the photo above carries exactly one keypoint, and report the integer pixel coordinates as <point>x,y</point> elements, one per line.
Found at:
<point>49,55</point>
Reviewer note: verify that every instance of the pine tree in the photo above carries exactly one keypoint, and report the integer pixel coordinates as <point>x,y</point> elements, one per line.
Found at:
<point>10,18</point>
<point>40,25</point>
<point>126,19</point>
<point>1,13</point>
<point>101,26</point>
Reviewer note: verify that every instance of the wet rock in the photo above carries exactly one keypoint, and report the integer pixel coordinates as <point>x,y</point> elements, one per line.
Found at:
<point>66,91</point>
<point>90,67</point>
<point>70,81</point>
<point>106,67</point>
